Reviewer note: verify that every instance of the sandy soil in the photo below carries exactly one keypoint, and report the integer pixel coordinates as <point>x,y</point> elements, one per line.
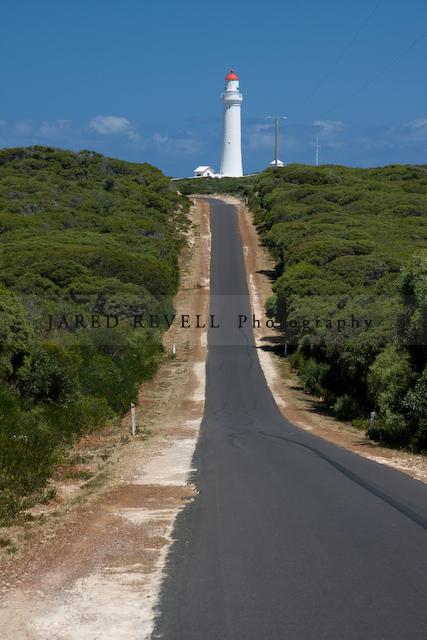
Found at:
<point>90,565</point>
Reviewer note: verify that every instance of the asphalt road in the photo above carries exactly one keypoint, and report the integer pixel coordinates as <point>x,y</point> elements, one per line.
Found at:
<point>291,537</point>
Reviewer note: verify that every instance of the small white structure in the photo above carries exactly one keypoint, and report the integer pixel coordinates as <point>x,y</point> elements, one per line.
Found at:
<point>279,163</point>
<point>231,156</point>
<point>204,172</point>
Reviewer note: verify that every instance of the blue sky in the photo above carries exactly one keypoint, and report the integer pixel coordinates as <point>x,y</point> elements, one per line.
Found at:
<point>141,81</point>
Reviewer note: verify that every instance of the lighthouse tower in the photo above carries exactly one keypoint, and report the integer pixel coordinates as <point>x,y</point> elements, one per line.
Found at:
<point>231,156</point>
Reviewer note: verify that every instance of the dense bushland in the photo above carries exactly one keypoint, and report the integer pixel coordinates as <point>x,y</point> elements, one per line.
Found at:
<point>351,266</point>
<point>242,187</point>
<point>89,248</point>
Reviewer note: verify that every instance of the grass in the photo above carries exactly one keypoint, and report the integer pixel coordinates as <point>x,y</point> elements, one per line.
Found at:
<point>11,550</point>
<point>105,455</point>
<point>143,432</point>
<point>96,482</point>
<point>79,474</point>
<point>79,459</point>
<point>5,542</point>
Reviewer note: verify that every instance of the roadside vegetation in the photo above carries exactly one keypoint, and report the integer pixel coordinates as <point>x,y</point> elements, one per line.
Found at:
<point>351,266</point>
<point>350,293</point>
<point>241,187</point>
<point>88,253</point>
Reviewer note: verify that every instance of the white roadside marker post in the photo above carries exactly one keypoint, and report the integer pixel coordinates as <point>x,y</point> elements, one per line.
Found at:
<point>132,411</point>
<point>194,201</point>
<point>372,416</point>
<point>173,349</point>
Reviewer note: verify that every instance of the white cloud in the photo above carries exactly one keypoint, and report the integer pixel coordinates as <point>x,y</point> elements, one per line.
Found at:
<point>261,127</point>
<point>114,125</point>
<point>158,139</point>
<point>418,124</point>
<point>133,136</point>
<point>56,129</point>
<point>259,136</point>
<point>23,127</point>
<point>257,141</point>
<point>108,125</point>
<point>329,126</point>
<point>407,136</point>
<point>336,146</point>
<point>180,144</point>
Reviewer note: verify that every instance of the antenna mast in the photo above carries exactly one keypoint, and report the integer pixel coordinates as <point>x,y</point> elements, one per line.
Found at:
<point>317,147</point>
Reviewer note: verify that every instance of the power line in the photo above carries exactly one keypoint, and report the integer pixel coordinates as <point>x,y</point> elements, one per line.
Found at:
<point>341,56</point>
<point>375,77</point>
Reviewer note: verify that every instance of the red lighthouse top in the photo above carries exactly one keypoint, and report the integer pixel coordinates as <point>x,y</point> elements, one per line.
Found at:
<point>232,76</point>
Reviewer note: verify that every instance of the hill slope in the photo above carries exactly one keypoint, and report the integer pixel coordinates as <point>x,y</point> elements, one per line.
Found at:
<point>351,279</point>
<point>89,253</point>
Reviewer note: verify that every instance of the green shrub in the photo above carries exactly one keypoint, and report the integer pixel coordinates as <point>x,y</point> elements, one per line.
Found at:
<point>346,408</point>
<point>361,423</point>
<point>389,378</point>
<point>296,359</point>
<point>27,454</point>
<point>77,417</point>
<point>51,374</point>
<point>15,330</point>
<point>313,373</point>
<point>340,236</point>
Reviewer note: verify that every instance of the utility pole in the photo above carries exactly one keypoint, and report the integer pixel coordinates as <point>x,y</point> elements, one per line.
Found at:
<point>277,118</point>
<point>317,147</point>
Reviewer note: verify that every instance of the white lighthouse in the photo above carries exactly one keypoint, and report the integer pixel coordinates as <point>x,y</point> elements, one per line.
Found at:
<point>231,156</point>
